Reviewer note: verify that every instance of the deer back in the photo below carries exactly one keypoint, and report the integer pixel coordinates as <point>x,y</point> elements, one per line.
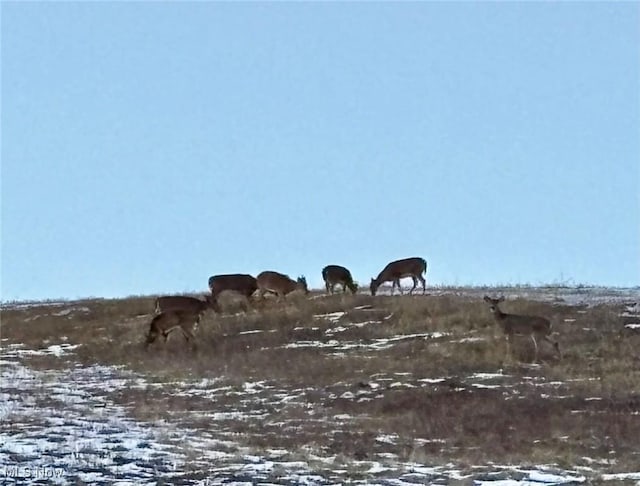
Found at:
<point>277,282</point>
<point>402,268</point>
<point>242,283</point>
<point>181,303</point>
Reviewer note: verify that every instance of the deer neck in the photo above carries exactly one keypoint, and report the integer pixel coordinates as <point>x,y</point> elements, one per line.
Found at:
<point>499,315</point>
<point>383,277</point>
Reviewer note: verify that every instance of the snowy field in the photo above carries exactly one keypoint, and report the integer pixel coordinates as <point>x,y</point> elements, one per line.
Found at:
<point>67,425</point>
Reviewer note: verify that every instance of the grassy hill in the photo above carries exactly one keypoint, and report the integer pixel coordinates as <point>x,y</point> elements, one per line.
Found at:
<point>347,384</point>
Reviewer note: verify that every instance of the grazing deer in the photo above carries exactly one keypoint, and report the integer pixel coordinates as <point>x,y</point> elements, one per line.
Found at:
<point>335,274</point>
<point>394,271</point>
<point>162,324</point>
<point>172,302</point>
<point>513,324</point>
<point>243,284</point>
<point>279,284</point>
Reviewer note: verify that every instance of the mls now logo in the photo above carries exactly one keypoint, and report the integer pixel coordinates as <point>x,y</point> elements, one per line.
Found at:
<point>31,472</point>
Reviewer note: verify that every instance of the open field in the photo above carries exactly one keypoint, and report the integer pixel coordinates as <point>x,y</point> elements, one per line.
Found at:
<point>325,390</point>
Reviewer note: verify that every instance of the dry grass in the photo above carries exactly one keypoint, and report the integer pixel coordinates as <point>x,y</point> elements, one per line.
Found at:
<point>585,405</point>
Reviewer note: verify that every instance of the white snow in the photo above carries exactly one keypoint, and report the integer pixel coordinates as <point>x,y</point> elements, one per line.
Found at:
<point>65,425</point>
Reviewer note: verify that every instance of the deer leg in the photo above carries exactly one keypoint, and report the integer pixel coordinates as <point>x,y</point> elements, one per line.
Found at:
<point>415,283</point>
<point>214,304</point>
<point>535,346</point>
<point>151,337</point>
<point>328,287</point>
<point>508,348</point>
<point>555,345</point>
<point>166,332</point>
<point>189,337</point>
<point>424,284</point>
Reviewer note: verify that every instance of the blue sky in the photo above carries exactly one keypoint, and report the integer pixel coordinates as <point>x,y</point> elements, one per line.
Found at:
<point>147,146</point>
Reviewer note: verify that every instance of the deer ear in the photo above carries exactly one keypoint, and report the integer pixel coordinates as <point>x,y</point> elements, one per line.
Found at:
<point>487,299</point>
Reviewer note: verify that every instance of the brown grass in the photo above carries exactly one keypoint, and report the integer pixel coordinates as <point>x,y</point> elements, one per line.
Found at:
<point>585,405</point>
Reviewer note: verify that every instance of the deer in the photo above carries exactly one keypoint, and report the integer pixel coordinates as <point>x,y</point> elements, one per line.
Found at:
<point>171,302</point>
<point>408,267</point>
<point>177,312</point>
<point>241,283</point>
<point>335,274</point>
<point>167,321</point>
<point>522,325</point>
<point>279,284</point>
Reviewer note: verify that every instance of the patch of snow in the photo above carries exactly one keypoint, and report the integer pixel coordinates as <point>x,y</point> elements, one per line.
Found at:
<point>57,350</point>
<point>377,468</point>
<point>387,439</point>
<point>335,330</point>
<point>472,339</point>
<point>342,416</point>
<point>488,376</point>
<point>331,316</point>
<point>534,478</point>
<point>399,384</point>
<point>484,386</point>
<point>548,478</point>
<point>621,476</point>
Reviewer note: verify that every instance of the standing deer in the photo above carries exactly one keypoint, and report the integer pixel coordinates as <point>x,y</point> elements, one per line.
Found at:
<point>513,324</point>
<point>335,274</point>
<point>164,323</point>
<point>241,283</point>
<point>394,271</point>
<point>177,312</point>
<point>279,284</point>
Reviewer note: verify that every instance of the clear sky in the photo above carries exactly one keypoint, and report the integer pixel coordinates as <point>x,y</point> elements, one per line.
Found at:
<point>147,146</point>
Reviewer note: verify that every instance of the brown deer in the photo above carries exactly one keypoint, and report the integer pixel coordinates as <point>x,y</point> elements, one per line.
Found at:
<point>394,271</point>
<point>335,274</point>
<point>512,324</point>
<point>172,302</point>
<point>164,323</point>
<point>241,283</point>
<point>279,284</point>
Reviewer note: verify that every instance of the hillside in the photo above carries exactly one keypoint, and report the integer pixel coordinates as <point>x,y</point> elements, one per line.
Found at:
<point>324,390</point>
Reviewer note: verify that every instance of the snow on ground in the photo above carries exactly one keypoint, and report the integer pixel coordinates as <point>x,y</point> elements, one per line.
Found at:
<point>61,426</point>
